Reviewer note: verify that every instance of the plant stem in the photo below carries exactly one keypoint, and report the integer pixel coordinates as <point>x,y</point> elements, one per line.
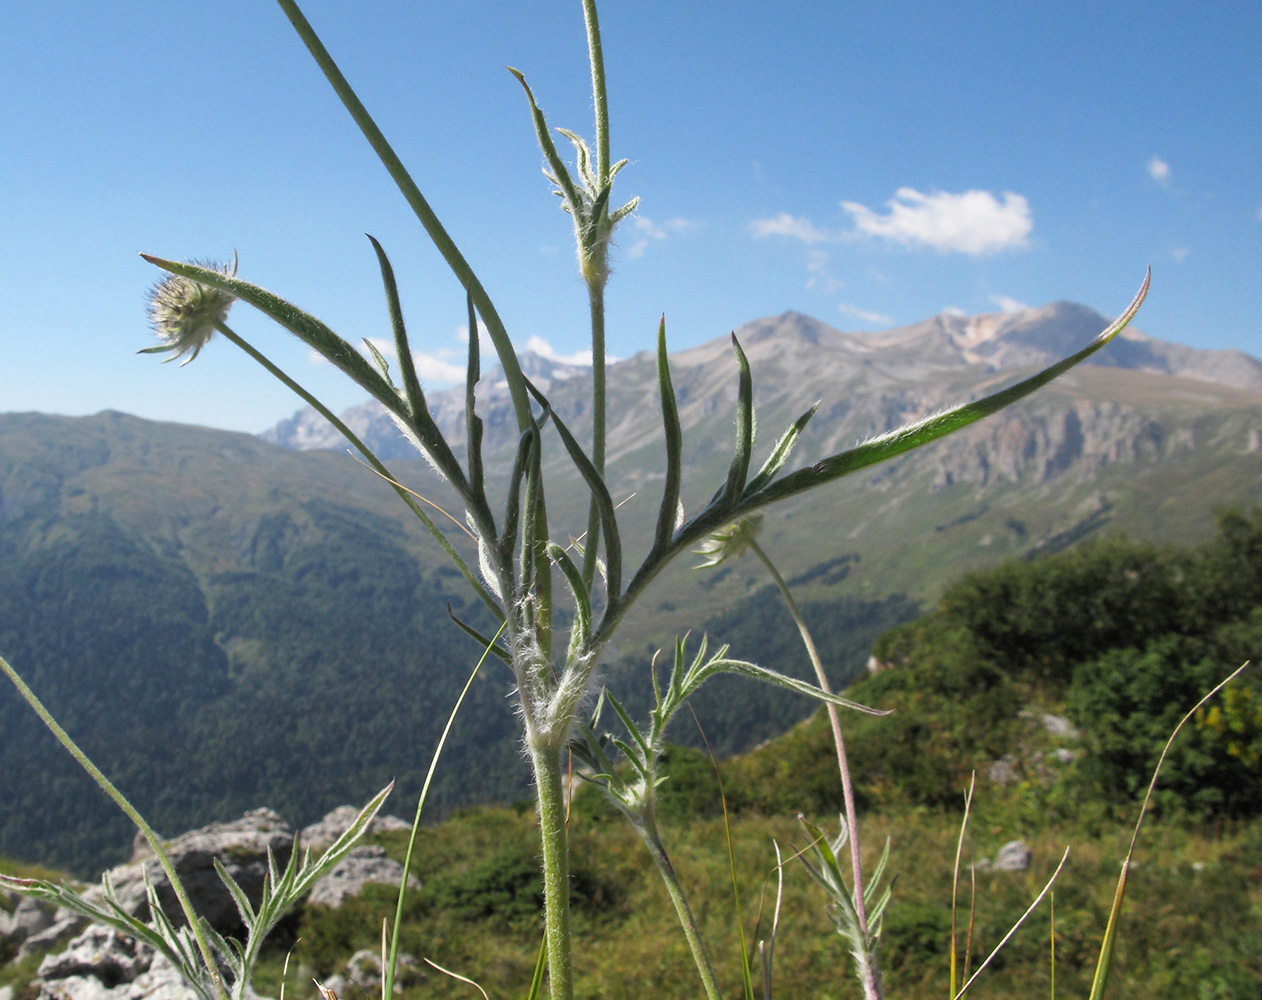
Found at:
<point>599,95</point>
<point>549,783</point>
<point>596,277</point>
<point>596,300</point>
<point>871,978</point>
<point>652,839</point>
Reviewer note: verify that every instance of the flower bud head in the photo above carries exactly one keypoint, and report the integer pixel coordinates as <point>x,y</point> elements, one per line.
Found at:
<point>730,542</point>
<point>183,313</point>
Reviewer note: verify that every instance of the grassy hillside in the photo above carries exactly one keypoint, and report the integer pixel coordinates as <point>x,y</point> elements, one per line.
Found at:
<point>226,624</point>
<point>1117,639</point>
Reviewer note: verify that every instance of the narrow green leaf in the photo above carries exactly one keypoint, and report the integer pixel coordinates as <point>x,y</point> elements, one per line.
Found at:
<point>624,211</point>
<point>583,158</point>
<point>780,453</point>
<point>632,729</point>
<point>541,963</point>
<point>469,630</point>
<point>931,428</point>
<point>472,422</point>
<point>236,892</point>
<point>674,445</point>
<point>383,365</point>
<point>407,187</point>
<point>512,511</point>
<point>582,598</point>
<point>390,959</point>
<point>407,366</point>
<point>543,567</point>
<point>600,494</point>
<point>555,163</point>
<point>739,471</point>
<point>744,669</point>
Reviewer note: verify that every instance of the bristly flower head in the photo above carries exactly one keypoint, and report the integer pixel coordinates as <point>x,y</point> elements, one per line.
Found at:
<point>184,313</point>
<point>729,542</point>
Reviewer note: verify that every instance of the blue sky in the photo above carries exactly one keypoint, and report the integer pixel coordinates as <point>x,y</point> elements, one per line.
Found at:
<point>867,163</point>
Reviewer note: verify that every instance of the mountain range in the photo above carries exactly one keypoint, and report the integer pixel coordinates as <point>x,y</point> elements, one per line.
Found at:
<point>1119,443</point>
<point>226,623</point>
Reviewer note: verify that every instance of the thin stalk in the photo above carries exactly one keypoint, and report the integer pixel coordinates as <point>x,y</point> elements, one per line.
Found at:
<point>955,883</point>
<point>599,94</point>
<point>871,981</point>
<point>596,277</point>
<point>155,842</point>
<point>372,460</point>
<point>596,300</point>
<point>550,783</point>
<point>390,955</point>
<point>652,839</point>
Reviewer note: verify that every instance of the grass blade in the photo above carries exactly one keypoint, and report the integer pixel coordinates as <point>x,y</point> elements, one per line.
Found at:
<point>387,986</point>
<point>1037,899</point>
<point>1101,978</point>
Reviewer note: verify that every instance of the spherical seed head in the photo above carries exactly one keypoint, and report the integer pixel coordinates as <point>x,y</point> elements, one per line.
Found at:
<point>184,313</point>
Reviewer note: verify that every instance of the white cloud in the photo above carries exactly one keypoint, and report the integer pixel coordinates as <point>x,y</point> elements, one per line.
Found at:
<point>1159,170</point>
<point>974,222</point>
<point>854,312</point>
<point>434,369</point>
<point>542,348</point>
<point>954,311</point>
<point>650,232</point>
<point>1180,254</point>
<point>819,274</point>
<point>785,224</point>
<point>1008,304</point>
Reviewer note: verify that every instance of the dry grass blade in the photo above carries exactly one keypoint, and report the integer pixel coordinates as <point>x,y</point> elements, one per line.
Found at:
<point>458,976</point>
<point>398,485</point>
<point>1101,977</point>
<point>955,879</point>
<point>1037,899</point>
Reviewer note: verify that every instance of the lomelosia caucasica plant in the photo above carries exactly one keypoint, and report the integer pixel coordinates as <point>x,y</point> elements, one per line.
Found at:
<point>529,579</point>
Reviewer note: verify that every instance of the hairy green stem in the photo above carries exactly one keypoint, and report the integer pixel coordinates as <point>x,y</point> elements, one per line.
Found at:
<point>599,94</point>
<point>155,842</point>
<point>871,977</point>
<point>545,760</point>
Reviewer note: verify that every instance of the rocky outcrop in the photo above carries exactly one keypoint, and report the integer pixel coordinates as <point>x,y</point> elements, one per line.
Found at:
<point>241,846</point>
<point>348,878</point>
<point>101,964</point>
<point>1014,856</point>
<point>97,963</point>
